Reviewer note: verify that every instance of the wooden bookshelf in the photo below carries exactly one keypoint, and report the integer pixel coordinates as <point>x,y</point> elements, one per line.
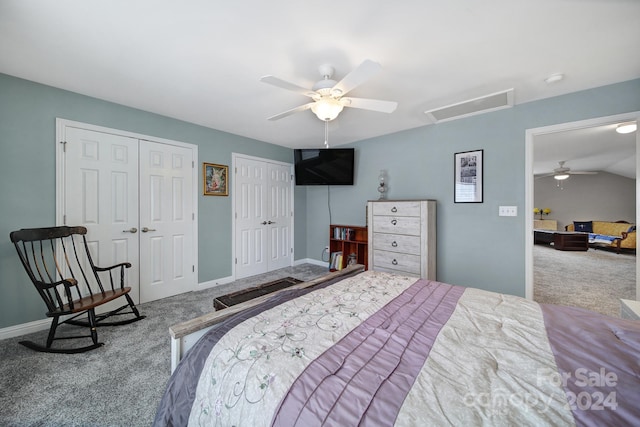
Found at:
<point>345,240</point>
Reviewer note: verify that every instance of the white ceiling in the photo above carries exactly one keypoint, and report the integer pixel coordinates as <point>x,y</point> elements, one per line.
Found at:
<point>201,61</point>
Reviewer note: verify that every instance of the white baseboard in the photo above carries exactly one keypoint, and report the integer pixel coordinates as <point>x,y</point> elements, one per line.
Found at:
<point>213,283</point>
<point>25,328</point>
<point>311,261</point>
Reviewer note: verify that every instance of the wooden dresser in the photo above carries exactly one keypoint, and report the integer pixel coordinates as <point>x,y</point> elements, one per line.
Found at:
<point>402,237</point>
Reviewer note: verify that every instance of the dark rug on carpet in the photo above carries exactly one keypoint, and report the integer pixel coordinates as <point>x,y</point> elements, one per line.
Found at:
<point>243,295</point>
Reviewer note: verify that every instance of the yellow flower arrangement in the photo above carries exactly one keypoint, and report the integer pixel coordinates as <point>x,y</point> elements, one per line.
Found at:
<point>541,211</point>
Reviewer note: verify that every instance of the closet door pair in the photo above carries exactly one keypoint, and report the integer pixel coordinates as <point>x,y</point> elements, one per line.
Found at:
<point>136,199</point>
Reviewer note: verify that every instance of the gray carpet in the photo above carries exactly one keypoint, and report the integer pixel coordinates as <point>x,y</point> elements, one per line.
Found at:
<point>119,384</point>
<point>595,279</point>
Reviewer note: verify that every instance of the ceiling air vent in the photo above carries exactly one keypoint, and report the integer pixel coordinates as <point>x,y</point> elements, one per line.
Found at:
<point>483,104</point>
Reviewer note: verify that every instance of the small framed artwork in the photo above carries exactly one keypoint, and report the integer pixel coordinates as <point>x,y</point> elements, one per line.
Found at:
<point>215,179</point>
<point>468,177</point>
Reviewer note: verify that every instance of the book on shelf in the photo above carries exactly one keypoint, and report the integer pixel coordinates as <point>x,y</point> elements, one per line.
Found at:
<point>335,262</point>
<point>343,233</point>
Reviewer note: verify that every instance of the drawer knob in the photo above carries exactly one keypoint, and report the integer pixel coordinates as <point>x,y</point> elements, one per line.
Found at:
<point>394,209</point>
<point>394,244</point>
<point>394,262</point>
<point>394,221</point>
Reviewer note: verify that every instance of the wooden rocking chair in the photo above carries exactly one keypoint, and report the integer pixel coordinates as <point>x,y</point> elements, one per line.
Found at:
<point>59,263</point>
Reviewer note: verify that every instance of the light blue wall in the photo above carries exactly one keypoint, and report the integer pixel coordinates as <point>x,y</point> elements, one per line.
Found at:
<point>475,247</point>
<point>27,178</point>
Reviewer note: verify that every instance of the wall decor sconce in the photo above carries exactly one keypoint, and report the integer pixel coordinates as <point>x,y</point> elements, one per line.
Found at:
<point>382,184</point>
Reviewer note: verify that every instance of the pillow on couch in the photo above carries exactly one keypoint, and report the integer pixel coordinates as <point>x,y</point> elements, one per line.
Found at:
<point>583,226</point>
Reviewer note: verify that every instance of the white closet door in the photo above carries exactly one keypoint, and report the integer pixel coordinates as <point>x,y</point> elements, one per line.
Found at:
<point>101,193</point>
<point>167,265</point>
<point>250,217</point>
<point>280,217</point>
<point>263,198</point>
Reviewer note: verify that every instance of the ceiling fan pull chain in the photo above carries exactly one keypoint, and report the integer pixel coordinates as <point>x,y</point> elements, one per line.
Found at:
<point>326,133</point>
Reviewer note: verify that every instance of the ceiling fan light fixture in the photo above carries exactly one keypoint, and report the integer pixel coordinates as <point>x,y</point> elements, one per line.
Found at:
<point>627,127</point>
<point>554,78</point>
<point>561,176</point>
<point>326,109</point>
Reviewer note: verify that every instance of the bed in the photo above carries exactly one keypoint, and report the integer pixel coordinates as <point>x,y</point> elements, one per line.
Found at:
<point>382,349</point>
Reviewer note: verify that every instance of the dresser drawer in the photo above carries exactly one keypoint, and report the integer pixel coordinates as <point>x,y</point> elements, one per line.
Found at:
<point>397,243</point>
<point>397,208</point>
<point>397,262</point>
<point>409,225</point>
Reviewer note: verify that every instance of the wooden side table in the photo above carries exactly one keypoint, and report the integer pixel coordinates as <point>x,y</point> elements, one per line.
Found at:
<point>545,224</point>
<point>571,241</point>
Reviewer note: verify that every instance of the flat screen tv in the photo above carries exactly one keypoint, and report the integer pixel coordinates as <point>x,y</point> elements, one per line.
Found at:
<point>324,166</point>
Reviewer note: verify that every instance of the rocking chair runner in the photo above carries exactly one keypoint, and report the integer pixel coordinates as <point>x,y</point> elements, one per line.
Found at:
<point>59,263</point>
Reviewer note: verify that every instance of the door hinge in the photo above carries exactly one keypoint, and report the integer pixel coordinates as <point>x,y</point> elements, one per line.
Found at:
<point>64,146</point>
<point>193,216</point>
<point>193,268</point>
<point>64,219</point>
<point>193,164</point>
<point>236,260</point>
<point>291,250</point>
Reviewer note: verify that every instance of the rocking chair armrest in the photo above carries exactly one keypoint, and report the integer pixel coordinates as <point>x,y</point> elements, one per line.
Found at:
<point>122,264</point>
<point>68,283</point>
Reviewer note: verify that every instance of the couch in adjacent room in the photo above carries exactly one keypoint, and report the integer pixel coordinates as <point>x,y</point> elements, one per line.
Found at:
<point>616,235</point>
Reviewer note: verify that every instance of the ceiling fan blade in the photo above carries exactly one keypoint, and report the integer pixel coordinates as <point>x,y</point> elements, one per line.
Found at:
<point>582,173</point>
<point>290,112</point>
<point>370,104</point>
<point>544,175</point>
<point>358,76</point>
<point>275,81</point>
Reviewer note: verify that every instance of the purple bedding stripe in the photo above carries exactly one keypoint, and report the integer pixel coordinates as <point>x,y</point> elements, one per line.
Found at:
<point>364,378</point>
<point>598,359</point>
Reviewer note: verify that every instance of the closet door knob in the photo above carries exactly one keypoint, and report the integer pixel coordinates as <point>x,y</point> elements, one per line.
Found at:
<point>394,262</point>
<point>394,221</point>
<point>146,230</point>
<point>394,209</point>
<point>132,230</point>
<point>394,244</point>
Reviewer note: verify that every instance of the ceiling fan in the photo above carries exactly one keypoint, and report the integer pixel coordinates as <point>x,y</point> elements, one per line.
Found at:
<point>563,173</point>
<point>328,95</point>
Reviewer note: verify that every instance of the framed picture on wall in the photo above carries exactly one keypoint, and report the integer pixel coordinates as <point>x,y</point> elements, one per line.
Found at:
<point>215,179</point>
<point>468,167</point>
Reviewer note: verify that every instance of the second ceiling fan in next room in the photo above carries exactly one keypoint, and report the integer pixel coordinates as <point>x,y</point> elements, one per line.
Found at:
<point>561,173</point>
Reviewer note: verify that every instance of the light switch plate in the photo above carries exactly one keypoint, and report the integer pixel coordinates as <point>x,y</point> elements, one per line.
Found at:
<point>508,211</point>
